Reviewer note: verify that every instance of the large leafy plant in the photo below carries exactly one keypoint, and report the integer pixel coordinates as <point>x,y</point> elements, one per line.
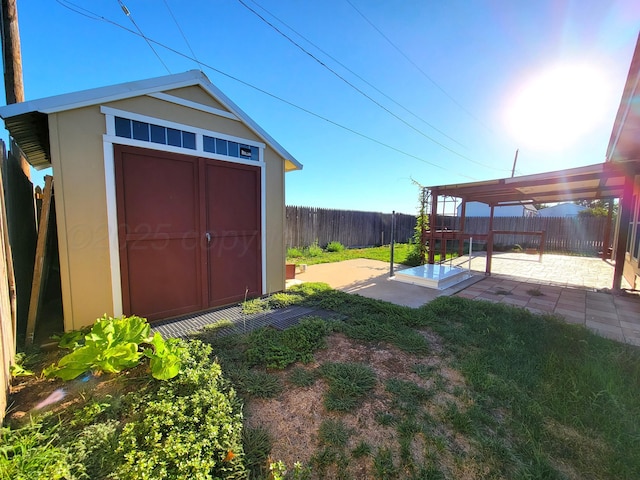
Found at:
<point>115,344</point>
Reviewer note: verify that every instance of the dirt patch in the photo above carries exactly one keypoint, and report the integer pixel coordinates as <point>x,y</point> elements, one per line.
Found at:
<point>294,418</point>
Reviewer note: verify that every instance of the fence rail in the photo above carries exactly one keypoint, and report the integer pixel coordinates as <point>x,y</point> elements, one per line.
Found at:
<point>307,225</point>
<point>563,234</point>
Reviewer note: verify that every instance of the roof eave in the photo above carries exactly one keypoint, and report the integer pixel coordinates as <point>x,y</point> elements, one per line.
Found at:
<point>102,95</point>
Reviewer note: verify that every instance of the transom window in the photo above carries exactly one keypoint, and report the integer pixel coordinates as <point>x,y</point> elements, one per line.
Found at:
<point>149,132</point>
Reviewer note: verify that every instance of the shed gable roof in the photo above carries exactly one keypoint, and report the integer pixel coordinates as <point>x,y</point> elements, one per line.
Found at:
<point>28,125</point>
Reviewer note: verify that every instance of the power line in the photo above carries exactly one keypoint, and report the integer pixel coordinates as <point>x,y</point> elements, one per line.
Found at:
<point>359,76</point>
<point>93,16</point>
<point>362,92</point>
<point>128,14</point>
<point>182,33</point>
<point>417,67</point>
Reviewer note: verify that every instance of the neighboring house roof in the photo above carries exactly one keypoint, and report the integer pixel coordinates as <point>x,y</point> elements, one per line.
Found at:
<point>27,121</point>
<point>562,210</point>
<point>624,143</point>
<point>479,209</point>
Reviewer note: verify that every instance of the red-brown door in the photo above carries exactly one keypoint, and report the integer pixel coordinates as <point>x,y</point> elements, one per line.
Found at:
<point>189,232</point>
<point>232,227</point>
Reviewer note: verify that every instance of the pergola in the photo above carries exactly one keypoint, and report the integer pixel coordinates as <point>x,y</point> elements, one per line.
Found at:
<point>608,180</point>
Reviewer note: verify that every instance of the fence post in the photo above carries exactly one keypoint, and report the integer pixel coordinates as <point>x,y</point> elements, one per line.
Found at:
<point>393,226</point>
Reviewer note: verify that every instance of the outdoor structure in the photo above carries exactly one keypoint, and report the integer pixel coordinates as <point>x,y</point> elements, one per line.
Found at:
<point>169,199</point>
<point>561,210</point>
<point>618,177</point>
<point>478,209</point>
<point>624,149</point>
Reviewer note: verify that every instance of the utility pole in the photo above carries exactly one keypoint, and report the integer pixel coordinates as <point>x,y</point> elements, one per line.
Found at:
<point>515,160</point>
<point>12,61</point>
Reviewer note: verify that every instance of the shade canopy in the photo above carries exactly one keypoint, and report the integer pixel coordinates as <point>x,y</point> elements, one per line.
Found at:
<point>591,182</point>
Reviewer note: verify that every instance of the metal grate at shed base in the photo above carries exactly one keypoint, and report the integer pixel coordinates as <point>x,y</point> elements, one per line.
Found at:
<point>439,277</point>
<point>235,321</point>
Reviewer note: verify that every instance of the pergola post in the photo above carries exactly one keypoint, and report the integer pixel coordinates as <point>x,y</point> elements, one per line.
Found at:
<point>490,242</point>
<point>625,208</point>
<point>432,227</point>
<point>607,232</point>
<point>463,214</point>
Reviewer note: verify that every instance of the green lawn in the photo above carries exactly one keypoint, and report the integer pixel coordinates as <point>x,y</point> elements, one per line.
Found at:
<point>314,254</point>
<point>477,390</point>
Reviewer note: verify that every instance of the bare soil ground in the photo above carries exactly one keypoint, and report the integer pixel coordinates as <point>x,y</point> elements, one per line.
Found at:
<point>293,418</point>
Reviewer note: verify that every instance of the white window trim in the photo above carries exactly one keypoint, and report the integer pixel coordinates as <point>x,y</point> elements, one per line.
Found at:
<point>194,105</point>
<point>108,142</point>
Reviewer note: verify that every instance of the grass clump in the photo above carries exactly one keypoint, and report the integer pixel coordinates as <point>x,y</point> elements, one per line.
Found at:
<point>301,377</point>
<point>257,445</point>
<point>283,299</point>
<point>313,250</point>
<point>348,384</point>
<point>334,247</point>
<point>278,349</point>
<point>253,306</point>
<point>34,452</point>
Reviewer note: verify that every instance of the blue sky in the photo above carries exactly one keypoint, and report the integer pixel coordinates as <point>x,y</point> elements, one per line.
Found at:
<point>456,76</point>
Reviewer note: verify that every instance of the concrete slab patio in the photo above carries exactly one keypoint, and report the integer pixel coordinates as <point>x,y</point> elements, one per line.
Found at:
<point>370,278</point>
<point>572,288</point>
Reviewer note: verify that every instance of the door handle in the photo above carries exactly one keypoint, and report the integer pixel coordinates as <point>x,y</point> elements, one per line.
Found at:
<point>208,237</point>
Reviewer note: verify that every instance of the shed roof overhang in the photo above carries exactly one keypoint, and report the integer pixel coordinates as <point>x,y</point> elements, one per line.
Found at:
<point>591,182</point>
<point>27,122</point>
<point>624,144</point>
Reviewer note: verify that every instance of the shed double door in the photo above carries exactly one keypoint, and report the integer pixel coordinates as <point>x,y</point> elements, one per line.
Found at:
<point>189,232</point>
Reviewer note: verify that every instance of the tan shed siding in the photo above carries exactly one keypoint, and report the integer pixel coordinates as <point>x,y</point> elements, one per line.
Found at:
<point>81,206</point>
<point>196,94</point>
<point>275,213</point>
<point>79,183</point>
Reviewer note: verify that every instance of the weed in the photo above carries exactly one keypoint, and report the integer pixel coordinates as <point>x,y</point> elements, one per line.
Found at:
<point>282,299</point>
<point>423,371</point>
<point>348,383</point>
<point>384,466</point>
<point>253,306</point>
<point>294,252</point>
<point>333,433</point>
<point>257,446</point>
<point>501,291</point>
<point>302,377</point>
<point>278,349</point>
<point>255,383</point>
<point>33,452</point>
<point>408,396</point>
<point>313,250</point>
<point>334,247</point>
<point>363,449</point>
<point>535,292</point>
<point>386,419</point>
<point>219,325</point>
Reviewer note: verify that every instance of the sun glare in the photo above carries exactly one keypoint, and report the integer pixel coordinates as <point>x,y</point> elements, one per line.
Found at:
<point>557,107</point>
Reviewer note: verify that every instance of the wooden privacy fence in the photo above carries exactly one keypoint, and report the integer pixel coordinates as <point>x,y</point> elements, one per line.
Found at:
<point>307,225</point>
<point>563,234</point>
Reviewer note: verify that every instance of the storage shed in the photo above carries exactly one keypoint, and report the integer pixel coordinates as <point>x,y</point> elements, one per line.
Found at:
<point>169,199</point>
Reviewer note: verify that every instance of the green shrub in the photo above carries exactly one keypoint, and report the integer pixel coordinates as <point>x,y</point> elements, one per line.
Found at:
<point>313,250</point>
<point>294,252</point>
<point>190,427</point>
<point>335,247</point>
